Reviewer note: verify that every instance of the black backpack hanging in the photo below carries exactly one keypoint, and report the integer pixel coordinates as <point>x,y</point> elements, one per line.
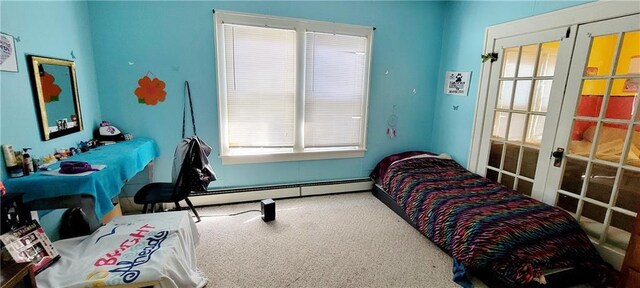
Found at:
<point>194,178</point>
<point>195,172</point>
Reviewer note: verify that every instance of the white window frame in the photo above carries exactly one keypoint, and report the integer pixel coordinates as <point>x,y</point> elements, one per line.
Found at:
<point>301,26</point>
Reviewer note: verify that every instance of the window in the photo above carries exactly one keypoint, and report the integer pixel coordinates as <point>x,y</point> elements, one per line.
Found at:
<point>291,89</point>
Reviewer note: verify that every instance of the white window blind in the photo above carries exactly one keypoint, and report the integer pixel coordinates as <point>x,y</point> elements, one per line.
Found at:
<point>261,83</point>
<point>334,90</point>
<point>291,89</point>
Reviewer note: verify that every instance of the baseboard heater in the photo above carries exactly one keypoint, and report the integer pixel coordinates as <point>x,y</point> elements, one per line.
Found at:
<point>246,194</point>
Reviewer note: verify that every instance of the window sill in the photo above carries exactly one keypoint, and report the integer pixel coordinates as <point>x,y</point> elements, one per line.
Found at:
<point>291,156</point>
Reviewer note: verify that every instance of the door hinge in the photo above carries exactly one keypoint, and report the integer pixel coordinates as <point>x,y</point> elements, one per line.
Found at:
<point>568,33</point>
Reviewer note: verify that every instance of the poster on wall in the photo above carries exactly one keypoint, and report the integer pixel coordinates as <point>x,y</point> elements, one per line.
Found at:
<point>150,91</point>
<point>8,60</point>
<point>457,83</point>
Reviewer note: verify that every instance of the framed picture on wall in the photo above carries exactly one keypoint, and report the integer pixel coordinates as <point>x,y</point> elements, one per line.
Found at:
<point>8,59</point>
<point>457,83</point>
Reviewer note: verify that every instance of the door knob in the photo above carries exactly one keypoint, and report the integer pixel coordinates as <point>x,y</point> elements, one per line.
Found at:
<point>558,155</point>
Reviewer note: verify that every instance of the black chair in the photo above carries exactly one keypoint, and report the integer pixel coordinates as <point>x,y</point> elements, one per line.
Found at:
<point>160,192</point>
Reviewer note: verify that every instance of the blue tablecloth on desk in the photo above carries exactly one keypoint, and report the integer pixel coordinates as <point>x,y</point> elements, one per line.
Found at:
<point>124,160</point>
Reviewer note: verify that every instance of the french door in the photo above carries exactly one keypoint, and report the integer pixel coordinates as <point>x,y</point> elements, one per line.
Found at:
<point>525,96</point>
<point>572,91</point>
<point>597,176</point>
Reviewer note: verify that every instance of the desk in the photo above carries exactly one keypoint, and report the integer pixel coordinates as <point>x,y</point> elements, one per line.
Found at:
<point>92,192</point>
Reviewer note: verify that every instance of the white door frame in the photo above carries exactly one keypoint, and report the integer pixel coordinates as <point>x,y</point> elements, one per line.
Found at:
<point>555,102</point>
<point>563,136</point>
<point>572,16</point>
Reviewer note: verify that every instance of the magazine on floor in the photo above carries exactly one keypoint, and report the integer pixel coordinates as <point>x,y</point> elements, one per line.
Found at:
<point>29,243</point>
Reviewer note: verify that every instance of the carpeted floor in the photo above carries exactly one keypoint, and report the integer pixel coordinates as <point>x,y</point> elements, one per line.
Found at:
<point>346,240</point>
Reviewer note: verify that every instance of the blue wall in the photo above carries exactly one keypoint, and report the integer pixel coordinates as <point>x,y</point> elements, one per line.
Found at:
<point>174,40</point>
<point>416,42</point>
<point>52,29</point>
<point>462,44</point>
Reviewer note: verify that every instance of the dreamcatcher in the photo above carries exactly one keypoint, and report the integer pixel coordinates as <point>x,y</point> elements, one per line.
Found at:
<point>392,121</point>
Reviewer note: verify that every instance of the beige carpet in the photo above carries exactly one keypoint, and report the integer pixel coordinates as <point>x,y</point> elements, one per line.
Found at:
<point>347,240</point>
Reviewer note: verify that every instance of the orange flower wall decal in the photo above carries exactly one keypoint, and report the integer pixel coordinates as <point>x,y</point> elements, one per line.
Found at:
<point>150,91</point>
<point>50,90</point>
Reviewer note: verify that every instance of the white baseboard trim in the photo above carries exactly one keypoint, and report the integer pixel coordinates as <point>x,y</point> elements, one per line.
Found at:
<point>335,188</point>
<point>248,194</point>
<point>227,198</point>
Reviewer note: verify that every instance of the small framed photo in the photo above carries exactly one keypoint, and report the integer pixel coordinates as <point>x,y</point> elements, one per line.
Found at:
<point>457,83</point>
<point>8,59</point>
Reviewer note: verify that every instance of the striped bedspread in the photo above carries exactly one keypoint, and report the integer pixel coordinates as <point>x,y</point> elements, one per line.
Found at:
<point>484,225</point>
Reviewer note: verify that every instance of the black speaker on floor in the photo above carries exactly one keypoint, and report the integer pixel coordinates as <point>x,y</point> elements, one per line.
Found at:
<point>268,207</point>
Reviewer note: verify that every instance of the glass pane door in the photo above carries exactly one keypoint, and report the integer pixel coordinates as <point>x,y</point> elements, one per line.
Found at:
<point>599,179</point>
<point>524,102</point>
<point>520,112</point>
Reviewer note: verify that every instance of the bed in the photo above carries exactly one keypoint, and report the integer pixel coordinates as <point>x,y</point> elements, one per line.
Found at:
<point>504,238</point>
<point>130,251</point>
<point>609,146</point>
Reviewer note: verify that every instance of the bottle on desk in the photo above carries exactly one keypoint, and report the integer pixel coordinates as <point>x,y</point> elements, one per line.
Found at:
<point>27,163</point>
<point>11,162</point>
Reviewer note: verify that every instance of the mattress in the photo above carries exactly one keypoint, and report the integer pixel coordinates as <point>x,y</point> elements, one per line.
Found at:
<point>486,226</point>
<point>555,277</point>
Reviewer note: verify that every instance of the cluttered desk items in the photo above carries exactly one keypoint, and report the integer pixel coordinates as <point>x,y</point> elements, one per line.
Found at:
<point>92,192</point>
